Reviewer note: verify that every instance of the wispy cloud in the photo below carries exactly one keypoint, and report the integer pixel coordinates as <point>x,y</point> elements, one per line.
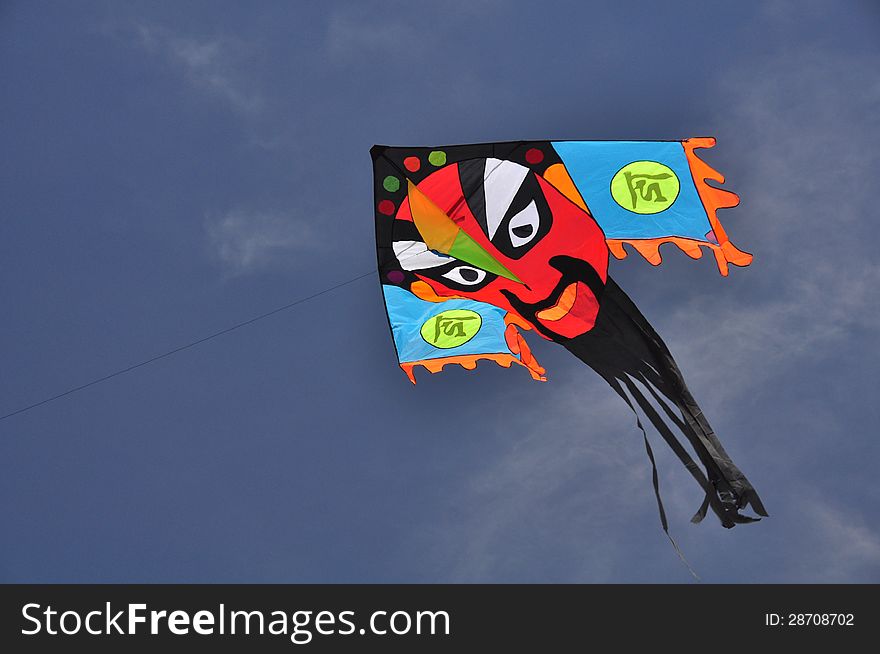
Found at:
<point>245,241</point>
<point>353,34</point>
<point>395,35</point>
<point>845,543</point>
<point>806,209</point>
<point>216,65</point>
<point>399,29</point>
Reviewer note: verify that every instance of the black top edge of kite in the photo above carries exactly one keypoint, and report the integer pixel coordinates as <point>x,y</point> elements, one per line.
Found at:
<point>377,150</point>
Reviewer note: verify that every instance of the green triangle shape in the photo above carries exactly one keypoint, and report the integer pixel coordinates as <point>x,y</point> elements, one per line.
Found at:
<point>468,250</point>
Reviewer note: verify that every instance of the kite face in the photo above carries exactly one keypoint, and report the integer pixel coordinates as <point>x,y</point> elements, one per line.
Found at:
<point>477,243</point>
<point>546,256</point>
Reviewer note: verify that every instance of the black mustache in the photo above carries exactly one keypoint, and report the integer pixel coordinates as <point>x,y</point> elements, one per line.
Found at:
<point>573,270</point>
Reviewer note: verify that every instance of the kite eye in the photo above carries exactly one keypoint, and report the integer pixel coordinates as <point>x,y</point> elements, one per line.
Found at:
<point>523,227</point>
<point>466,275</point>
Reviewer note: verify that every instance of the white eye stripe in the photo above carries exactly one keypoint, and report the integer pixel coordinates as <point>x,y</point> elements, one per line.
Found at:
<point>501,182</point>
<point>415,255</point>
<point>523,227</point>
<point>466,275</point>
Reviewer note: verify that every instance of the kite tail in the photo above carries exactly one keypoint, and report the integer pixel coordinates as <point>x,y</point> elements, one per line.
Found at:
<point>626,351</point>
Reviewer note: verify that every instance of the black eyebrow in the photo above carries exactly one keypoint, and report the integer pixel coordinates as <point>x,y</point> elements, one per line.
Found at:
<point>405,230</point>
<point>471,176</point>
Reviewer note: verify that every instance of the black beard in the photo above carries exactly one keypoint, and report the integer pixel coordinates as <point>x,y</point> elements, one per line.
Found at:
<point>624,349</point>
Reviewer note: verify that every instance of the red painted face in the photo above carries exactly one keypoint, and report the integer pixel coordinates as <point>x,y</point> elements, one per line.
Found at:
<point>552,245</point>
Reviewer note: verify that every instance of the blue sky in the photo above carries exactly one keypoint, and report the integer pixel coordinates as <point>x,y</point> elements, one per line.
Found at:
<point>169,169</point>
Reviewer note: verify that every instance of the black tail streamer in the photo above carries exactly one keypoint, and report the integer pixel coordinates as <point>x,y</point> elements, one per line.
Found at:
<point>625,350</point>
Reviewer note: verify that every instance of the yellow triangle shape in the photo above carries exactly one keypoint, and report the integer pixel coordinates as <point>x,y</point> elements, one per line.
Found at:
<point>438,229</point>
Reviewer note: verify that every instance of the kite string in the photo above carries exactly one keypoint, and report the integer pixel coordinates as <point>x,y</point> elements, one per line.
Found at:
<point>164,355</point>
<point>181,348</point>
<point>186,346</point>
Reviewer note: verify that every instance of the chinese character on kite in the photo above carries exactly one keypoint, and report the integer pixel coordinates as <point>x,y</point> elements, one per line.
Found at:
<point>477,242</point>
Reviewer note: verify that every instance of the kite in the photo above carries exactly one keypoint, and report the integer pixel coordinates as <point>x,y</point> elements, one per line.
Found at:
<point>479,243</point>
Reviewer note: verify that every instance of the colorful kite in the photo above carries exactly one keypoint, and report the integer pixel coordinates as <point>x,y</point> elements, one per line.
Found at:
<point>477,243</point>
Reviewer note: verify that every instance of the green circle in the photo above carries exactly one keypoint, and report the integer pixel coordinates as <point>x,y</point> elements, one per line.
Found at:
<point>391,184</point>
<point>437,158</point>
<point>645,187</point>
<point>451,328</point>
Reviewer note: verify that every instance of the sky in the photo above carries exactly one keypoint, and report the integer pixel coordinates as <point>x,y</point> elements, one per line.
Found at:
<point>170,169</point>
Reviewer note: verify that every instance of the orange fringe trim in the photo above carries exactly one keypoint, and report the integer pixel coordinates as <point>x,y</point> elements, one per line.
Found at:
<point>713,199</point>
<point>469,362</point>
